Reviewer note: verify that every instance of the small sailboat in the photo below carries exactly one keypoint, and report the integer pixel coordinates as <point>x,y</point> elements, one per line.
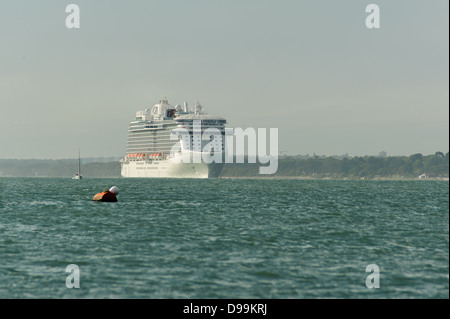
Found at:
<point>78,175</point>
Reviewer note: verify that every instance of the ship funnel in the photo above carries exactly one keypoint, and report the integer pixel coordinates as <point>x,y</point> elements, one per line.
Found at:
<point>186,107</point>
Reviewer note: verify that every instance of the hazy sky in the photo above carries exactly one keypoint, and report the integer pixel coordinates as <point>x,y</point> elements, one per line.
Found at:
<point>309,68</point>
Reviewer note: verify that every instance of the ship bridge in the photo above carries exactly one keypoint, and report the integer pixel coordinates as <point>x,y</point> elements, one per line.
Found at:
<point>206,120</point>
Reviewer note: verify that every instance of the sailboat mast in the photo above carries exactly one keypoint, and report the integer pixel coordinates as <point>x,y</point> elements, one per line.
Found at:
<point>79,163</point>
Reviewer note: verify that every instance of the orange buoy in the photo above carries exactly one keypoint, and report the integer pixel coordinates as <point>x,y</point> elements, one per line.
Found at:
<point>105,196</point>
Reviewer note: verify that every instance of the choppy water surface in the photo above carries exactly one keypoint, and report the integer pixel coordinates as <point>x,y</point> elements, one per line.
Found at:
<point>225,238</point>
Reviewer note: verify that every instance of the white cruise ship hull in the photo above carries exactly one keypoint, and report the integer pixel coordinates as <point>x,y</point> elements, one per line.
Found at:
<point>170,169</point>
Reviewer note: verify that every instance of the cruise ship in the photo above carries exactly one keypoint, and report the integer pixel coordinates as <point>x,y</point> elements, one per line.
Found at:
<point>168,141</point>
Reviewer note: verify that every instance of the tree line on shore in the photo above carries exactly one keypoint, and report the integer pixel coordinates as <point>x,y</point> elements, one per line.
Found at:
<point>435,165</point>
<point>56,168</point>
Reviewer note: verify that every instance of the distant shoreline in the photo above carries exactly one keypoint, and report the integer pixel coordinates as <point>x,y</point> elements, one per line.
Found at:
<point>406,179</point>
<point>338,179</point>
<point>414,167</point>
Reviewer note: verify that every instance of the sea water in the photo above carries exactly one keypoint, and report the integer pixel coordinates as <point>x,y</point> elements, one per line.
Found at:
<point>224,238</point>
